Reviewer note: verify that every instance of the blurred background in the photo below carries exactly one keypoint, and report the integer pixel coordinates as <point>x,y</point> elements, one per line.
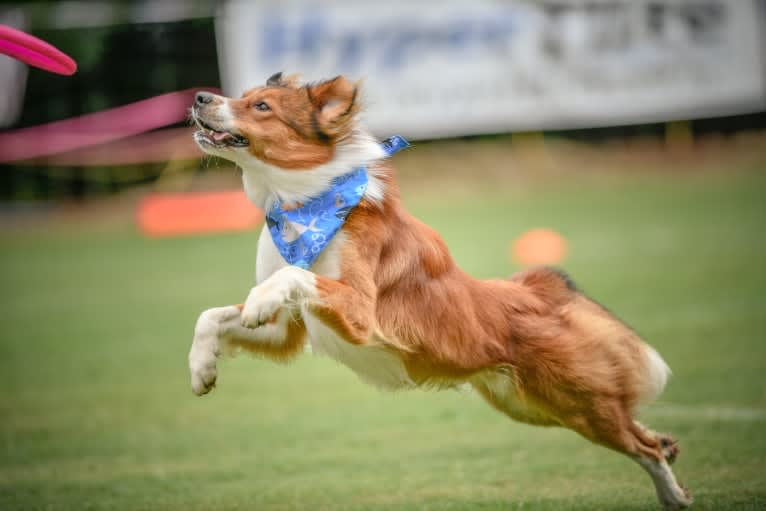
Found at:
<point>620,139</point>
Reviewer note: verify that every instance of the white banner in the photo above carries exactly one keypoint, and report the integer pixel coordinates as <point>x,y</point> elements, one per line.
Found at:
<point>452,67</point>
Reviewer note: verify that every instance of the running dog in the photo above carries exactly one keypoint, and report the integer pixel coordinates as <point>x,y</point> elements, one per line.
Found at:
<point>343,266</point>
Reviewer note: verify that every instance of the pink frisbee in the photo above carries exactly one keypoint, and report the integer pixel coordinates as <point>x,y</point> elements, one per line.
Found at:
<point>35,52</point>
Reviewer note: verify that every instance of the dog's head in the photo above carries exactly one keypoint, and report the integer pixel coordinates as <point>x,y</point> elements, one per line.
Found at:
<point>283,124</point>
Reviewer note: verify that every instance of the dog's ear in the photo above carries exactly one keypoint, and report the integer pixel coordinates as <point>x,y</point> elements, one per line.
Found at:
<point>274,80</point>
<point>335,103</point>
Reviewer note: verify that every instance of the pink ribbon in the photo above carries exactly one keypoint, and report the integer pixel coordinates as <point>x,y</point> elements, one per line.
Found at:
<point>97,128</point>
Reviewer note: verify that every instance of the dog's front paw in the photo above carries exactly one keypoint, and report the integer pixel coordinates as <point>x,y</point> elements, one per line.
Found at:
<point>203,354</point>
<point>263,304</point>
<point>203,373</point>
<point>202,365</point>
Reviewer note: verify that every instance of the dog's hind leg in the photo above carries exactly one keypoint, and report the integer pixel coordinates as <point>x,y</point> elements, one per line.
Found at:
<point>610,424</point>
<point>604,420</point>
<point>671,494</point>
<point>220,331</point>
<point>668,444</point>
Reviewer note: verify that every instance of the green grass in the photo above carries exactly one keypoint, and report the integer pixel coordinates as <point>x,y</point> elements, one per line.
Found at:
<point>96,411</point>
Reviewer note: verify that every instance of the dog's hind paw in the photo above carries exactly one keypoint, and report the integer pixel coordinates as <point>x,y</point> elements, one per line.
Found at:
<point>669,446</point>
<point>678,501</point>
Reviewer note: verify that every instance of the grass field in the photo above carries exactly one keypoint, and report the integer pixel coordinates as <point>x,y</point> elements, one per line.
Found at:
<point>97,413</point>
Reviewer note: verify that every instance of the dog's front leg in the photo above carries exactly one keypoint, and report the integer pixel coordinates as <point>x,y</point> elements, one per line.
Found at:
<point>288,287</point>
<point>207,345</point>
<point>219,331</point>
<point>345,306</point>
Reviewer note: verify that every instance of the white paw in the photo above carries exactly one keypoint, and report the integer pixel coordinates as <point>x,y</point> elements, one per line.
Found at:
<point>203,374</point>
<point>203,355</point>
<point>263,303</point>
<point>680,498</point>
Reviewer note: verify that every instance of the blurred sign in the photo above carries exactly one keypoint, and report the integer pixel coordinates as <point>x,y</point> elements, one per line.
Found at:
<point>448,68</point>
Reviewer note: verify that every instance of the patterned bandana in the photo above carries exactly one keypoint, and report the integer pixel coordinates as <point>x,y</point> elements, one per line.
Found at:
<point>300,234</point>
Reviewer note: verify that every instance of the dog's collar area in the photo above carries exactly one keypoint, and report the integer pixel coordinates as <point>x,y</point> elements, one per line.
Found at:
<point>301,233</point>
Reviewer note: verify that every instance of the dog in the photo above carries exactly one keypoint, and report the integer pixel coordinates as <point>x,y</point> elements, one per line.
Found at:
<point>343,266</point>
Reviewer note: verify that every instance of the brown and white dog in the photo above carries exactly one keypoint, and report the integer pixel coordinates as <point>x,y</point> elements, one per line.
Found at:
<point>386,299</point>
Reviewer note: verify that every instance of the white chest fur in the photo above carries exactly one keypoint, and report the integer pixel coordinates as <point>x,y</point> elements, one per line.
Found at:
<point>373,363</point>
<point>269,260</point>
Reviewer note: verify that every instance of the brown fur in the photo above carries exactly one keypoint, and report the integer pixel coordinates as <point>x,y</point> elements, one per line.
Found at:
<point>302,125</point>
<point>573,361</point>
<point>568,361</point>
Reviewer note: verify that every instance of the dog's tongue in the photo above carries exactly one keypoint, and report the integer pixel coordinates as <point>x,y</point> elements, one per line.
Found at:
<point>220,136</point>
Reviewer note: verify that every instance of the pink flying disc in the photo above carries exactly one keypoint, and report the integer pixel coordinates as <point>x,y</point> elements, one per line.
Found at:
<point>35,52</point>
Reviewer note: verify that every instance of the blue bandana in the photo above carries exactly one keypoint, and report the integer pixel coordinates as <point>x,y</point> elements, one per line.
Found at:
<point>300,234</point>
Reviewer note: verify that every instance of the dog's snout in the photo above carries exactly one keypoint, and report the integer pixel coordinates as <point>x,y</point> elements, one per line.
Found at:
<point>203,98</point>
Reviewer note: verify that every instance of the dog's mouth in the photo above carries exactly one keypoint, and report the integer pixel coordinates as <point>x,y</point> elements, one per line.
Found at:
<point>208,135</point>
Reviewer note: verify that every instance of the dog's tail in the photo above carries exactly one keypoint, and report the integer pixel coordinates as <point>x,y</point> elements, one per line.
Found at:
<point>551,285</point>
<point>655,375</point>
<point>649,372</point>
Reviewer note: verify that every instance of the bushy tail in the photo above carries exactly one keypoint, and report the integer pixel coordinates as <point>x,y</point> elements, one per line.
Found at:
<point>555,289</point>
<point>656,375</point>
<point>551,285</point>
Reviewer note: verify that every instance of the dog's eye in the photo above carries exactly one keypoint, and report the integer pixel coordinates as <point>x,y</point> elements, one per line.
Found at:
<point>263,107</point>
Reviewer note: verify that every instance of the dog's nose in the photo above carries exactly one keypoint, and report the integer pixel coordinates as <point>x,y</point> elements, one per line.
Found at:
<point>203,98</point>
